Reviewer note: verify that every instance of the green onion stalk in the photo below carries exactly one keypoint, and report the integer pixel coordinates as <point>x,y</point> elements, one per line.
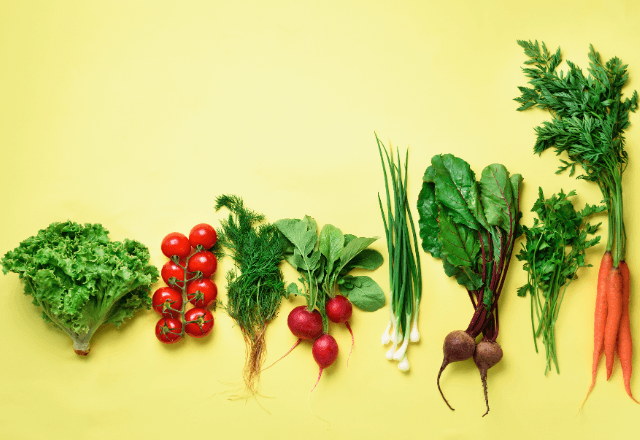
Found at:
<point>405,274</point>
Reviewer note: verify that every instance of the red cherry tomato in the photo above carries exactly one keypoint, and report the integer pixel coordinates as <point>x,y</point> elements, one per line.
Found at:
<point>171,269</point>
<point>204,235</point>
<point>203,261</point>
<point>202,293</point>
<point>169,330</point>
<point>199,322</point>
<point>168,302</point>
<point>176,244</point>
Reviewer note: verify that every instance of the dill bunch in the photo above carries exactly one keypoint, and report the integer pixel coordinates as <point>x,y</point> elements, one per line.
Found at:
<point>255,286</point>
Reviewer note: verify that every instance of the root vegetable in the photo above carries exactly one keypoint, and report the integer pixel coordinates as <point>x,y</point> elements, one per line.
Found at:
<point>600,318</point>
<point>487,354</point>
<point>458,346</point>
<point>614,312</point>
<point>325,352</point>
<point>339,310</point>
<point>305,324</point>
<point>625,345</point>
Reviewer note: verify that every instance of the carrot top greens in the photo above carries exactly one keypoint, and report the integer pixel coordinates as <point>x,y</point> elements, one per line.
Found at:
<point>589,117</point>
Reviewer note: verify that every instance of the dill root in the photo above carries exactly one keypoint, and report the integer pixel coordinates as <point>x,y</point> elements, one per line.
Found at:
<point>255,286</point>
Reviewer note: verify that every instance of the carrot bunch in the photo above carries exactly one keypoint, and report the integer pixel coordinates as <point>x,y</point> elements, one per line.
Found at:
<point>612,331</point>
<point>589,117</point>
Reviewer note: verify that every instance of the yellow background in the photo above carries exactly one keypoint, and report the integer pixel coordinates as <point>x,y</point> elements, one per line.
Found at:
<point>137,115</point>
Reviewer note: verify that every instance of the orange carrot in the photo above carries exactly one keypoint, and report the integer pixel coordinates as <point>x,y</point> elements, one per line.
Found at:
<point>625,345</point>
<point>601,316</point>
<point>614,312</point>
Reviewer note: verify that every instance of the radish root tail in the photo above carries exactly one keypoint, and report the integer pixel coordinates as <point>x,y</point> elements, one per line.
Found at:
<point>317,381</point>
<point>284,355</point>
<point>352,341</point>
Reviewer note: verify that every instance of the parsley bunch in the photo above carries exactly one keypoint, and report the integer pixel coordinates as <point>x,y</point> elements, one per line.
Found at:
<point>554,250</point>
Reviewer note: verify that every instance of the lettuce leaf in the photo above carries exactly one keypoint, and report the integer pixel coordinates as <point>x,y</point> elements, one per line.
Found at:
<point>81,279</point>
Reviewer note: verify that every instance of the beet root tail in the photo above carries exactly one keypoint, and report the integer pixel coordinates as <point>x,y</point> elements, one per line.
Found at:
<point>483,377</point>
<point>444,365</point>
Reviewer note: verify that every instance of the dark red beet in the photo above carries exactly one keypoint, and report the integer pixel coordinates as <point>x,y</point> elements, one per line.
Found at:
<point>458,346</point>
<point>305,324</point>
<point>487,354</point>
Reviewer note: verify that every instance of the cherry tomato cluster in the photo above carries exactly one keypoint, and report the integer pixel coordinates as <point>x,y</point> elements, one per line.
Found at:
<point>188,276</point>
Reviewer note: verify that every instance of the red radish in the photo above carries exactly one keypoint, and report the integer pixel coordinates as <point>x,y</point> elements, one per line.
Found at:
<point>458,346</point>
<point>325,352</point>
<point>303,324</point>
<point>487,354</point>
<point>339,310</point>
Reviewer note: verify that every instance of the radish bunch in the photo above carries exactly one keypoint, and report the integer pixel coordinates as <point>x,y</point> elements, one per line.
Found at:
<point>324,261</point>
<point>306,325</point>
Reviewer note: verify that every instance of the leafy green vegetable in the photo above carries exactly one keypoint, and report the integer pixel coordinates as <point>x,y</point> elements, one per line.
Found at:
<point>472,225</point>
<point>255,286</point>
<point>405,274</point>
<point>81,279</point>
<point>428,222</point>
<point>554,250</point>
<point>589,119</point>
<point>363,292</point>
<point>324,262</point>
